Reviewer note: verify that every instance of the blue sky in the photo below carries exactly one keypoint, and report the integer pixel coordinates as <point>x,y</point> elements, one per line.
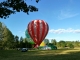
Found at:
<point>62,16</point>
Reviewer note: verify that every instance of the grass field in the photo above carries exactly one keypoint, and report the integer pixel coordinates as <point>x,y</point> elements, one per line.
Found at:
<point>40,55</point>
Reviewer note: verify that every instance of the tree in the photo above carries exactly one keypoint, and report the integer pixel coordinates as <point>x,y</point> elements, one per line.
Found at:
<point>1,34</point>
<point>62,43</point>
<point>8,39</point>
<point>25,42</point>
<point>1,30</point>
<point>53,41</point>
<point>0,44</point>
<point>16,38</point>
<point>46,41</point>
<point>70,45</point>
<point>21,42</point>
<point>77,43</point>
<point>9,7</point>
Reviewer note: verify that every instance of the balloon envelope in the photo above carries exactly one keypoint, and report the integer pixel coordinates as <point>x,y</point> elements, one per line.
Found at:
<point>27,34</point>
<point>38,30</point>
<point>28,37</point>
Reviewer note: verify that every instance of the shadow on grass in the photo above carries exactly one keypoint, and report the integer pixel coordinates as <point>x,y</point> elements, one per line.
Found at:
<point>39,55</point>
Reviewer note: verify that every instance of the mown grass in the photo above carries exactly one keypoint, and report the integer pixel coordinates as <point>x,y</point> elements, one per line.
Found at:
<point>40,55</point>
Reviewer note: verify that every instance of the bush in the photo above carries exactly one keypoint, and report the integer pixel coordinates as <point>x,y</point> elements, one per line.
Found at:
<point>71,45</point>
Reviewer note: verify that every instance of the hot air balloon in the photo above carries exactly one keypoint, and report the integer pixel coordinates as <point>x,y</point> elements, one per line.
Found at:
<point>27,34</point>
<point>38,30</point>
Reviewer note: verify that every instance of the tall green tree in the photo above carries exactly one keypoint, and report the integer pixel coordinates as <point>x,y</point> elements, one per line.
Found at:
<point>8,7</point>
<point>62,43</point>
<point>26,43</point>
<point>76,43</point>
<point>46,41</point>
<point>1,34</point>
<point>8,39</point>
<point>16,39</point>
<point>1,30</point>
<point>53,41</point>
<point>69,44</point>
<point>21,42</point>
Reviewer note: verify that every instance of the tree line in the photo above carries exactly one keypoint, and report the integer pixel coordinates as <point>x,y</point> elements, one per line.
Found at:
<point>10,41</point>
<point>63,44</point>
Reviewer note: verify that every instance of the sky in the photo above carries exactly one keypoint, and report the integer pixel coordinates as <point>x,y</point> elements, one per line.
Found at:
<point>62,16</point>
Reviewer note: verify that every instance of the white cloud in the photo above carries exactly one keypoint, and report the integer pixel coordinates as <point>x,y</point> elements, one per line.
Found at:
<point>66,14</point>
<point>69,30</point>
<point>21,32</point>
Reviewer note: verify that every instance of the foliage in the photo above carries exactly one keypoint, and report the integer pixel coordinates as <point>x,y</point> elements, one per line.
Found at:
<point>1,35</point>
<point>46,41</point>
<point>24,43</point>
<point>53,41</point>
<point>8,39</point>
<point>21,42</point>
<point>1,30</point>
<point>77,43</point>
<point>9,7</point>
<point>71,45</point>
<point>16,40</point>
<point>62,43</point>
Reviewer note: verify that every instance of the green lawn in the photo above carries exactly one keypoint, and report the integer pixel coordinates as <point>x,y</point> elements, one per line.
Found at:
<point>40,55</point>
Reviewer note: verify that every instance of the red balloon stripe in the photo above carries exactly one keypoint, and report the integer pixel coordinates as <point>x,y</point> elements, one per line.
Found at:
<point>46,30</point>
<point>32,30</point>
<point>38,30</point>
<point>29,29</point>
<point>43,31</point>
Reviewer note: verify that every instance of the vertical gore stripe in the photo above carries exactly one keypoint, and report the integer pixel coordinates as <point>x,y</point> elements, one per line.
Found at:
<point>38,26</point>
<point>40,30</point>
<point>35,33</point>
<point>32,29</point>
<point>29,29</point>
<point>43,31</point>
<point>46,30</point>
